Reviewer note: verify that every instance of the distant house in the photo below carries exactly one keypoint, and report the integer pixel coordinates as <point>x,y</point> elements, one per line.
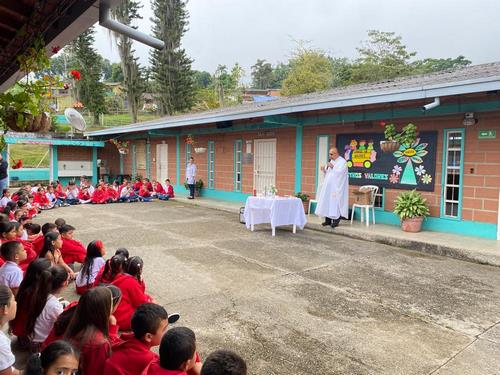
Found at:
<point>257,95</point>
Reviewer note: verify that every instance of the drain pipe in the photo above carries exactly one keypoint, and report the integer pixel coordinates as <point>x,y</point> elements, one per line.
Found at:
<point>106,21</point>
<point>429,106</point>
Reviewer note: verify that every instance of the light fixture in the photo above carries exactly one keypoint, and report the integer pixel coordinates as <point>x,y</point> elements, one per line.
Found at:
<point>469,119</point>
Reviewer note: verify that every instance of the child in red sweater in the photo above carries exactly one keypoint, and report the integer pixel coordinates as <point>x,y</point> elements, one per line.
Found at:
<point>100,196</point>
<point>84,195</point>
<point>145,194</point>
<point>133,292</point>
<point>71,250</point>
<point>177,353</point>
<point>133,355</point>
<point>93,329</point>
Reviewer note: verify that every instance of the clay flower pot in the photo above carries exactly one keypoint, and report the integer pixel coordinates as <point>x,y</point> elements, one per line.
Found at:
<point>413,225</point>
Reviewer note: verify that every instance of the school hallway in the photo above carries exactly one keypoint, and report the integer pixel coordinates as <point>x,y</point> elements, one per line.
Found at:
<point>309,303</point>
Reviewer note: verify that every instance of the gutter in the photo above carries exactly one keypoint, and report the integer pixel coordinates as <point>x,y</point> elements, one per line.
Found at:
<point>106,21</point>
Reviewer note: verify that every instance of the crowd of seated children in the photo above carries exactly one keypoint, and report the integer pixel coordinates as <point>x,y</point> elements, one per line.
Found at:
<point>84,335</point>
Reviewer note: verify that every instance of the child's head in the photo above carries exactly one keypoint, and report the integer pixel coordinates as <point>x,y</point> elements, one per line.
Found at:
<point>50,189</point>
<point>32,228</point>
<point>123,252</point>
<point>71,184</point>
<point>167,181</point>
<point>116,293</point>
<point>7,230</point>
<point>178,349</point>
<point>17,214</point>
<point>60,357</point>
<point>149,323</point>
<point>11,206</point>
<point>95,249</point>
<point>60,222</point>
<point>115,266</point>
<point>49,227</point>
<point>52,242</point>
<point>8,305</point>
<point>91,316</point>
<point>5,193</point>
<point>13,251</point>
<point>67,231</point>
<point>19,228</point>
<point>224,362</point>
<point>60,278</point>
<point>134,267</point>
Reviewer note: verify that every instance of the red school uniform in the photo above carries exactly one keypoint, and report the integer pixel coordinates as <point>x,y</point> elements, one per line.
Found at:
<point>170,191</point>
<point>137,185</point>
<point>60,192</point>
<point>149,186</point>
<point>95,352</point>
<point>130,357</point>
<point>41,199</point>
<point>31,254</point>
<point>99,196</point>
<point>73,251</point>
<point>132,297</point>
<point>37,243</point>
<point>159,189</point>
<point>52,335</point>
<point>84,195</point>
<point>2,262</point>
<point>154,368</point>
<point>112,193</point>
<point>144,192</point>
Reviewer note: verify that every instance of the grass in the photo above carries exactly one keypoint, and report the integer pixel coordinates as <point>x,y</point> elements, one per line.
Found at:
<point>30,155</point>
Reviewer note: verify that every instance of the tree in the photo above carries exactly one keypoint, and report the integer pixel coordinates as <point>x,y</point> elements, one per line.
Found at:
<point>89,89</point>
<point>382,57</point>
<point>202,79</point>
<point>116,73</point>
<point>171,67</point>
<point>430,65</point>
<point>227,84</point>
<point>106,70</point>
<point>310,71</point>
<point>342,71</point>
<point>280,72</point>
<point>262,74</point>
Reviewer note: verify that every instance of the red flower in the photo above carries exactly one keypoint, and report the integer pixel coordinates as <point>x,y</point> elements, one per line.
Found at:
<point>382,123</point>
<point>55,49</point>
<point>76,75</point>
<point>19,164</point>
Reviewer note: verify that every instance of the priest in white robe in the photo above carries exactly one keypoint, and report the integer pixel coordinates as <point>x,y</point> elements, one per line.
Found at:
<point>333,199</point>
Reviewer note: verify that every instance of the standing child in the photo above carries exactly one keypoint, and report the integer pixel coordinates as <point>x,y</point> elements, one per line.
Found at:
<point>8,308</point>
<point>177,353</point>
<point>11,274</point>
<point>59,358</point>
<point>149,323</point>
<point>133,292</point>
<point>90,267</point>
<point>5,198</point>
<point>71,250</point>
<point>92,329</point>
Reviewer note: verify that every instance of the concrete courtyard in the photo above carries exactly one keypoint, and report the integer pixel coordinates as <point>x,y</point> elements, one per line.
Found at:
<point>310,303</point>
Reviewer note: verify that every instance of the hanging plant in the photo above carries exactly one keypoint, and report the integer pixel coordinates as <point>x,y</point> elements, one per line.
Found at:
<point>190,140</point>
<point>122,146</point>
<point>394,139</point>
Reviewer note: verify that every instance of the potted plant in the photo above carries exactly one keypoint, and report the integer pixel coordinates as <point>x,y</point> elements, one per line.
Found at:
<point>305,200</point>
<point>197,187</point>
<point>393,139</point>
<point>411,208</point>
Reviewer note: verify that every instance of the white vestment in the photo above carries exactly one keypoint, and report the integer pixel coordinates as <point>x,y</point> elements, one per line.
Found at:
<point>333,199</point>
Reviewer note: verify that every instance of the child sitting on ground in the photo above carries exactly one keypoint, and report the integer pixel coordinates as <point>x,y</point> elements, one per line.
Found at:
<point>224,362</point>
<point>84,195</point>
<point>52,251</point>
<point>149,323</point>
<point>46,306</point>
<point>72,192</point>
<point>100,196</point>
<point>11,274</point>
<point>107,267</point>
<point>90,267</point>
<point>5,198</point>
<point>133,292</point>
<point>58,358</point>
<point>8,308</point>
<point>42,200</point>
<point>128,194</point>
<point>39,241</point>
<point>71,250</point>
<point>112,194</point>
<point>169,189</point>
<point>59,222</point>
<point>177,353</point>
<point>158,190</point>
<point>112,269</point>
<point>93,330</point>
<point>145,194</point>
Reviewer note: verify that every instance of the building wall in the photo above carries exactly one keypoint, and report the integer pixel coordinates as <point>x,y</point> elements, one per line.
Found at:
<point>74,153</point>
<point>111,157</point>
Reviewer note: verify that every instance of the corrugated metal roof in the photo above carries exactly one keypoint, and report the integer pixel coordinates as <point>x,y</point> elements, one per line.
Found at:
<point>477,78</point>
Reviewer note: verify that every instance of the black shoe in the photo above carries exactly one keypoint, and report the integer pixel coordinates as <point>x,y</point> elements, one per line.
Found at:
<point>335,223</point>
<point>326,223</point>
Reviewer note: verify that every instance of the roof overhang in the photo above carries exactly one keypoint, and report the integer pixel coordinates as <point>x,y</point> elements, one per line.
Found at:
<point>274,108</point>
<point>59,21</point>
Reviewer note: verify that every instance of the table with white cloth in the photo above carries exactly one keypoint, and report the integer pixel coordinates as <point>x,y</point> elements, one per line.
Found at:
<point>275,210</point>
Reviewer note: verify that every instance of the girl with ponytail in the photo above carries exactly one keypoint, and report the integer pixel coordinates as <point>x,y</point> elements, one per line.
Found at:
<point>91,265</point>
<point>60,357</point>
<point>51,250</point>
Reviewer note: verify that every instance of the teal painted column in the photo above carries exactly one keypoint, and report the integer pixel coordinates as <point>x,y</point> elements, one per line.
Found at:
<point>148,159</point>
<point>134,166</point>
<point>178,160</point>
<point>122,168</point>
<point>5,156</point>
<point>95,177</point>
<point>298,158</point>
<point>54,175</point>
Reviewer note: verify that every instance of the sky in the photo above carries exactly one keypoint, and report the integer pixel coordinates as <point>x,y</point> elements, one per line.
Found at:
<point>229,31</point>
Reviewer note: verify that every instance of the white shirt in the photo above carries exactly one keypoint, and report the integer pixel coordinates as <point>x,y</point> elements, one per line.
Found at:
<point>4,201</point>
<point>191,173</point>
<point>7,359</point>
<point>72,193</point>
<point>51,197</point>
<point>333,199</point>
<point>125,193</point>
<point>11,275</point>
<point>45,321</point>
<point>96,266</point>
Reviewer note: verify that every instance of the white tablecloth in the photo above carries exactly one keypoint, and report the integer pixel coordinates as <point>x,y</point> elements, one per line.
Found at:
<point>277,211</point>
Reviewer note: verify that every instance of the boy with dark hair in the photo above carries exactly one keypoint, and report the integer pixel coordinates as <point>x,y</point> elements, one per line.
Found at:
<point>224,362</point>
<point>11,274</point>
<point>177,353</point>
<point>49,227</point>
<point>38,241</point>
<point>133,354</point>
<point>60,222</point>
<point>72,250</point>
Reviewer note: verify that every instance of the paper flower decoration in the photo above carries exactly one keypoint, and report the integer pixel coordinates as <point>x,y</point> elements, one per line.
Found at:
<point>420,170</point>
<point>426,179</point>
<point>76,75</point>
